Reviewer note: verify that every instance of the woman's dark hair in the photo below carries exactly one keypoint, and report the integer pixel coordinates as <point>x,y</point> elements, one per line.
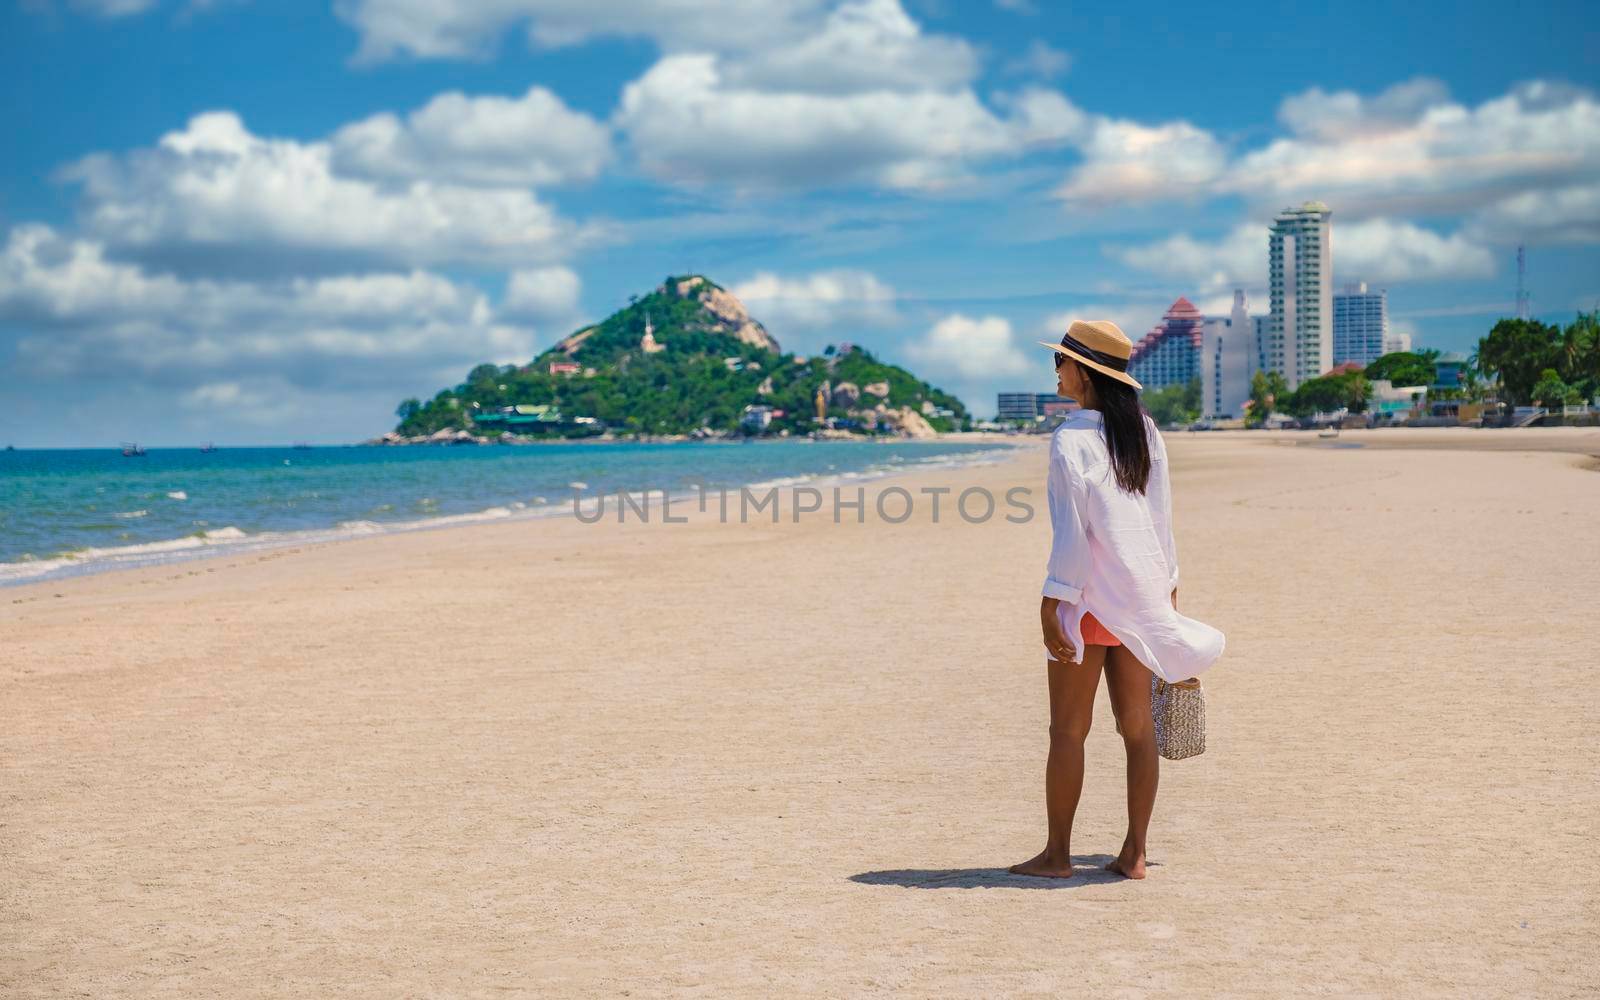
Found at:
<point>1123,421</point>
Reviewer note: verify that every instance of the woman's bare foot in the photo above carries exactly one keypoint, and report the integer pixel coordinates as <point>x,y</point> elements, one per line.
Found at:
<point>1128,864</point>
<point>1047,865</point>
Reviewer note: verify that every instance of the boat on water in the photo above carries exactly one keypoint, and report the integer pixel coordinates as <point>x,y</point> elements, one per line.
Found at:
<point>301,446</point>
<point>207,448</point>
<point>132,450</point>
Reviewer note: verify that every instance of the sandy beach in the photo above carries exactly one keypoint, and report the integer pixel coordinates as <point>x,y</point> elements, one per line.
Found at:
<point>721,759</point>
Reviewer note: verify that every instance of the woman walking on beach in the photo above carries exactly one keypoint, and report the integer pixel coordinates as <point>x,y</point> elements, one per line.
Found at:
<point>1111,588</point>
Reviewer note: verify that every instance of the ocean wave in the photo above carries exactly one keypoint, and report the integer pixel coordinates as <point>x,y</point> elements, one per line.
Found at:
<point>234,539</point>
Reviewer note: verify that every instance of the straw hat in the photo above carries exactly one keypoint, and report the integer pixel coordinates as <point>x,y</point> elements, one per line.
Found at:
<point>1097,344</point>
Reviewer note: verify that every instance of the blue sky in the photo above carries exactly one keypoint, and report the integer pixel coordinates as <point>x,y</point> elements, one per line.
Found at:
<point>257,223</point>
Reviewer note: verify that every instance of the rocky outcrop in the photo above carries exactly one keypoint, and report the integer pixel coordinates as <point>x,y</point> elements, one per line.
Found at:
<point>731,314</point>
<point>569,345</point>
<point>908,423</point>
<point>879,389</point>
<point>846,395</point>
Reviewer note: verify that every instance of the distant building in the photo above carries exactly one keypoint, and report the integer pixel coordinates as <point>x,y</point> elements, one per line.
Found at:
<point>1300,278</point>
<point>1258,353</point>
<point>1227,358</point>
<point>1170,353</point>
<point>756,417</point>
<point>1396,342</point>
<point>1017,406</point>
<point>1024,406</point>
<point>563,368</point>
<point>1360,324</point>
<point>1051,405</point>
<point>1387,401</point>
<point>1449,371</point>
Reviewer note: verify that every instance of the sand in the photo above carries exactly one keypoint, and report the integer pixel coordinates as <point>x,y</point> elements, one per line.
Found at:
<point>715,759</point>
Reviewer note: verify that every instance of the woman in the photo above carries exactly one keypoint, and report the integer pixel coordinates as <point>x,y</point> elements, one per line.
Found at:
<point>1111,588</point>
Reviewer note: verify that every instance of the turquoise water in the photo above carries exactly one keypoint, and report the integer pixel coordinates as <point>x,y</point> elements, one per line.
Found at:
<point>74,511</point>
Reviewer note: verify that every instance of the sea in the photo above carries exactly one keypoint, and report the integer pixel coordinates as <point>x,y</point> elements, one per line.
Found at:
<point>73,511</point>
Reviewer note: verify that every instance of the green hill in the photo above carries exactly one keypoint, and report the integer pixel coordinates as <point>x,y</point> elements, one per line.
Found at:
<point>684,358</point>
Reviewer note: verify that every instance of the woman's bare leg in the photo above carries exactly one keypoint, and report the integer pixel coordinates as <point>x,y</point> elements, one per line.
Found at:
<point>1128,683</point>
<point>1072,688</point>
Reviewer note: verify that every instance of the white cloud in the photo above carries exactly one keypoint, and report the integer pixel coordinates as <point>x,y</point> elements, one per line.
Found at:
<point>1389,250</point>
<point>1040,59</point>
<point>1551,215</point>
<point>76,313</point>
<point>542,294</point>
<point>214,191</point>
<point>495,141</point>
<point>862,45</point>
<point>1343,114</point>
<point>1409,148</point>
<point>1239,259</point>
<point>471,28</point>
<point>689,125</point>
<point>971,349</point>
<point>1366,250</point>
<point>1124,161</point>
<point>1522,162</point>
<point>802,310</point>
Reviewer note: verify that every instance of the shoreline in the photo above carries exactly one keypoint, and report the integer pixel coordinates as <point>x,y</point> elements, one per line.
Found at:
<point>1580,441</point>
<point>231,541</point>
<point>567,442</point>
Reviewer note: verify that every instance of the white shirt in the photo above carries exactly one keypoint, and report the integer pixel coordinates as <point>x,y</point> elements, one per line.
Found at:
<point>1113,553</point>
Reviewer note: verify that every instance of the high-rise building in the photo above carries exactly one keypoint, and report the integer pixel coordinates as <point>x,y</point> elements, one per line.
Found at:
<point>1300,275</point>
<point>1170,353</point>
<point>1227,360</point>
<point>1259,346</point>
<point>1360,324</point>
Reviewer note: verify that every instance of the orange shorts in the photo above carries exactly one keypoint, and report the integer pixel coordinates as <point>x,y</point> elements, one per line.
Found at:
<point>1095,634</point>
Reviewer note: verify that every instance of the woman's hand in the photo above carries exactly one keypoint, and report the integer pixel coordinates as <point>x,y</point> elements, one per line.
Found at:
<point>1055,638</point>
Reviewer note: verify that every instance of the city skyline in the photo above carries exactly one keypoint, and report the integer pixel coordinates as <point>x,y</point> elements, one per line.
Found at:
<point>265,223</point>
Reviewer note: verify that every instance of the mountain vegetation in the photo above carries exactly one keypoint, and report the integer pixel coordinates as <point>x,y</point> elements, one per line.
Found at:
<point>684,359</point>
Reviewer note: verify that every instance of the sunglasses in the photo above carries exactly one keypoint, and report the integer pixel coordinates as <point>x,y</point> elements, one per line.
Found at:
<point>1060,359</point>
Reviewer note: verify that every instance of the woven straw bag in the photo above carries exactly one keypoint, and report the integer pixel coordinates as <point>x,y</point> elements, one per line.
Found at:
<point>1180,716</point>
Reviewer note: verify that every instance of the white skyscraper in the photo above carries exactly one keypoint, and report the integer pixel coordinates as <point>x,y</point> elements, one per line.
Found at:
<point>1300,272</point>
<point>1227,361</point>
<point>1360,324</point>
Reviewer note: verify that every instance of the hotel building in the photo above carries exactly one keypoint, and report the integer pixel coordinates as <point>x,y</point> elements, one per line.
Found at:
<point>1170,353</point>
<point>1300,276</point>
<point>1360,324</point>
<point>1229,353</point>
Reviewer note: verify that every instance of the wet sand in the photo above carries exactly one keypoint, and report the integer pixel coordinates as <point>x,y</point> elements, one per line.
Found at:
<point>713,759</point>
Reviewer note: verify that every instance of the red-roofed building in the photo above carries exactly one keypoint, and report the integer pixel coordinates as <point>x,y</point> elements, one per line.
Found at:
<point>1170,353</point>
<point>1346,368</point>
